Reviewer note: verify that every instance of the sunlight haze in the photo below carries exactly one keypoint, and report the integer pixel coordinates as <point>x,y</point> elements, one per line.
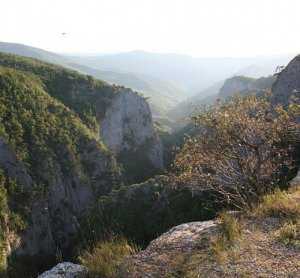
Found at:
<point>192,27</point>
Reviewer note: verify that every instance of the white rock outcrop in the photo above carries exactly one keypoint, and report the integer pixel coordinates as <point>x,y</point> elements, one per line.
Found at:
<point>127,125</point>
<point>65,270</point>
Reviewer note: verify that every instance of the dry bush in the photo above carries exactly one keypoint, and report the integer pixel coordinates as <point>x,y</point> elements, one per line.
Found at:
<point>241,152</point>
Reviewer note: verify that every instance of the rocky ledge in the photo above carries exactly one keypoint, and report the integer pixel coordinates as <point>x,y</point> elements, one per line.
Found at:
<point>159,259</point>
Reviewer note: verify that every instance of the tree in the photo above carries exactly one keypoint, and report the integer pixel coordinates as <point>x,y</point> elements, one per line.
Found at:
<point>240,152</point>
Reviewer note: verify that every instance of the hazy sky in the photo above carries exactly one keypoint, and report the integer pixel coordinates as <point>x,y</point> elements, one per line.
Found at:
<point>194,27</point>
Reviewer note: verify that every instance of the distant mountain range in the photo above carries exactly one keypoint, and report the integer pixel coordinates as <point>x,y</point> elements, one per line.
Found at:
<point>169,81</point>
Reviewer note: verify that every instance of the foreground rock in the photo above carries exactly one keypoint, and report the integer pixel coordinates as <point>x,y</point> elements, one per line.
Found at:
<point>65,270</point>
<point>161,257</point>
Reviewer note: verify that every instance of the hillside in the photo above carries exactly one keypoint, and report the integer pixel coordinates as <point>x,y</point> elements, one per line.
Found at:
<point>241,85</point>
<point>93,101</point>
<point>162,95</point>
<point>66,139</point>
<point>52,168</point>
<point>32,52</point>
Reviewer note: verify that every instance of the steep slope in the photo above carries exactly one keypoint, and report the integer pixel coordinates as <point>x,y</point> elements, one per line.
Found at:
<point>162,95</point>
<point>32,52</point>
<point>60,135</point>
<point>52,164</point>
<point>101,107</point>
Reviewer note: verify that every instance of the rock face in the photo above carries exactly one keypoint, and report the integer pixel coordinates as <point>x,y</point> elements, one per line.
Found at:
<point>287,83</point>
<point>127,126</point>
<point>54,217</point>
<point>158,259</point>
<point>65,270</point>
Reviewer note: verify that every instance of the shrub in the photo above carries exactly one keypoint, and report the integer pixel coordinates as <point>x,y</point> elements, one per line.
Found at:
<point>241,152</point>
<point>105,258</point>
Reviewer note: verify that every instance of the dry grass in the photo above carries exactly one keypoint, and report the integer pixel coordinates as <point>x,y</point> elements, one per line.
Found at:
<point>280,204</point>
<point>260,243</point>
<point>289,234</point>
<point>227,238</point>
<point>265,244</point>
<point>105,258</point>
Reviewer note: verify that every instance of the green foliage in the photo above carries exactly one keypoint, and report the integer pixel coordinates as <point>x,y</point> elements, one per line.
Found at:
<point>79,92</point>
<point>105,258</point>
<point>12,215</point>
<point>143,211</point>
<point>50,140</point>
<point>137,167</point>
<point>43,132</point>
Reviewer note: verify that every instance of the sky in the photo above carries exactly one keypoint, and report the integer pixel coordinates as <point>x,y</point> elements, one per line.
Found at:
<point>200,28</point>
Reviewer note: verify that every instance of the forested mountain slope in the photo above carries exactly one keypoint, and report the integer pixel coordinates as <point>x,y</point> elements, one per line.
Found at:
<point>65,140</point>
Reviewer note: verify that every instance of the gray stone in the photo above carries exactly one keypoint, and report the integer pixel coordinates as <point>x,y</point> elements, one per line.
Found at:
<point>65,270</point>
<point>128,125</point>
<point>287,83</point>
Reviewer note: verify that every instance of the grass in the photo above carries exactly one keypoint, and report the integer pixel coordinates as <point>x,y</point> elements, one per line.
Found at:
<point>280,204</point>
<point>227,238</point>
<point>289,234</point>
<point>106,258</point>
<point>261,243</point>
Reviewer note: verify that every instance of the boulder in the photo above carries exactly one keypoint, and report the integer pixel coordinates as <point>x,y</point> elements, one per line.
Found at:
<point>160,257</point>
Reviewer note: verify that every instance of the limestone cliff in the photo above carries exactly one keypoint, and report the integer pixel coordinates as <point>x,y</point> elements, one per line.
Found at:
<point>127,127</point>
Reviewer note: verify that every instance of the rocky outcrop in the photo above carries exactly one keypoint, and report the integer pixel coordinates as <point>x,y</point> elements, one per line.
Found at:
<point>287,83</point>
<point>127,126</point>
<point>159,258</point>
<point>65,270</point>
